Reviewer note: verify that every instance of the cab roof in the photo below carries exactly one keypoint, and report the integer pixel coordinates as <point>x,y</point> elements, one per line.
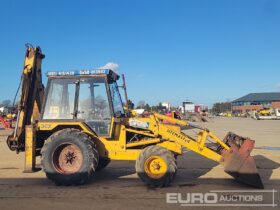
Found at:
<point>79,73</point>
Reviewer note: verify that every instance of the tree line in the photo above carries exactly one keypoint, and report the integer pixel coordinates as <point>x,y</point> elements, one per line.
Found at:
<point>221,107</point>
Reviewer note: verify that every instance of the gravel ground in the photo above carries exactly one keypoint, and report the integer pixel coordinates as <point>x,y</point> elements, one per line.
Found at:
<point>118,187</point>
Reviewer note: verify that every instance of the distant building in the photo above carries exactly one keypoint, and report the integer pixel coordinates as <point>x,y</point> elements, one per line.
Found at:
<point>166,105</point>
<point>188,106</point>
<point>3,110</point>
<point>200,107</point>
<point>256,101</point>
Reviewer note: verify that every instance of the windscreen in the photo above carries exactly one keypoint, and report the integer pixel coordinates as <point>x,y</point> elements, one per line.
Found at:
<point>116,99</point>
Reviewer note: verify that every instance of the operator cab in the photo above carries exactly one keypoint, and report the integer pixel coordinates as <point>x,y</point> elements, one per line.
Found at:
<point>91,96</point>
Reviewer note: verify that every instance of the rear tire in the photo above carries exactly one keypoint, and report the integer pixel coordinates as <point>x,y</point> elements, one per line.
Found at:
<point>69,157</point>
<point>102,163</point>
<point>156,166</point>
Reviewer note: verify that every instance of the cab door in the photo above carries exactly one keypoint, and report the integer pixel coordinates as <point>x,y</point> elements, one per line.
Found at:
<point>94,106</point>
<point>118,111</point>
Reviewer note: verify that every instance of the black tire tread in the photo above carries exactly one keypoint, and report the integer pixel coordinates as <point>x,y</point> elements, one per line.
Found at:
<point>92,155</point>
<point>165,154</point>
<point>103,163</point>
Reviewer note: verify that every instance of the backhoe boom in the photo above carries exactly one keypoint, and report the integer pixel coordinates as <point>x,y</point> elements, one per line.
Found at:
<point>31,97</point>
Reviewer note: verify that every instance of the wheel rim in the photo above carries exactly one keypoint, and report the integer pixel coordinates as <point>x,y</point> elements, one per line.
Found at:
<point>155,167</point>
<point>67,158</point>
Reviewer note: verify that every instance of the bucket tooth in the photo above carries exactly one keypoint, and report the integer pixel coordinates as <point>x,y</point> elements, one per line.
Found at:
<point>237,161</point>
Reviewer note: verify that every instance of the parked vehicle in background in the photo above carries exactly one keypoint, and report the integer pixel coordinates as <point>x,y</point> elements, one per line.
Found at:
<point>274,115</point>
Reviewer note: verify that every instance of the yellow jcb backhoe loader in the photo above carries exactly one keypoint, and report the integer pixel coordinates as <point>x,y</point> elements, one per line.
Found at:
<point>78,125</point>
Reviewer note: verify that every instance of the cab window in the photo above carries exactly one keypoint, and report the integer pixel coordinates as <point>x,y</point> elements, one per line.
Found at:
<point>93,105</point>
<point>116,99</point>
<point>60,99</point>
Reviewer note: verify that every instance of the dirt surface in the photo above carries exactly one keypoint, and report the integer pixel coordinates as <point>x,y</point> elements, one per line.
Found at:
<point>118,187</point>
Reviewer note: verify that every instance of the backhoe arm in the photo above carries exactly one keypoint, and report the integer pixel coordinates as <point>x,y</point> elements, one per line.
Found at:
<point>31,97</point>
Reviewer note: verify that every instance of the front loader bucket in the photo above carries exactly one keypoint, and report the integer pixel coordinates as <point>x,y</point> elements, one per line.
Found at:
<point>237,161</point>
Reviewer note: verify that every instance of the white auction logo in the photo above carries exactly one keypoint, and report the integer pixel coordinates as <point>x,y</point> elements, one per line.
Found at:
<point>192,198</point>
<point>222,198</point>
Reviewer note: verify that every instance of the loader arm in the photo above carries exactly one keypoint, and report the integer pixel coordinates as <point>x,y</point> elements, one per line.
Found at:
<point>31,97</point>
<point>233,152</point>
<point>197,145</point>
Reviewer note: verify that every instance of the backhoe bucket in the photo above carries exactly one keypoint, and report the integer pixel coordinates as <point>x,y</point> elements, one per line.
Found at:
<point>237,161</point>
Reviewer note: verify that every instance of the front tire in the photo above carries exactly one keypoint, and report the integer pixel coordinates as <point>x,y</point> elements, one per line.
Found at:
<point>69,157</point>
<point>156,166</point>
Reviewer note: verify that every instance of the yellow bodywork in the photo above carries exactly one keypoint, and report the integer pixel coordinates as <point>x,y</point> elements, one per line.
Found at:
<point>227,114</point>
<point>128,135</point>
<point>155,167</point>
<point>30,157</point>
<point>117,147</point>
<point>120,144</point>
<point>264,112</point>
